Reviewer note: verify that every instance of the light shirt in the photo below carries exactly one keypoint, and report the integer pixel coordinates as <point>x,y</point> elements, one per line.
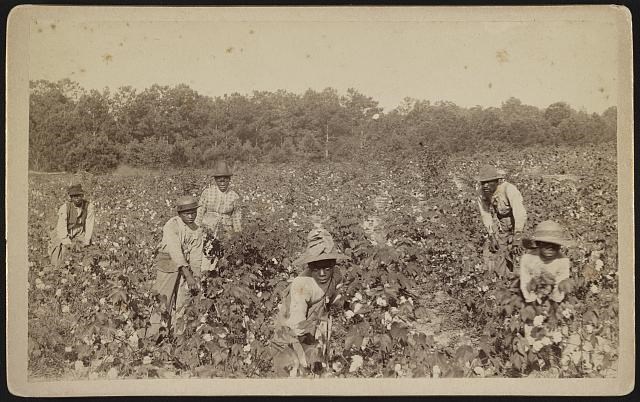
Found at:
<point>507,206</point>
<point>531,266</point>
<point>182,243</point>
<point>218,208</point>
<point>81,233</point>
<point>304,292</point>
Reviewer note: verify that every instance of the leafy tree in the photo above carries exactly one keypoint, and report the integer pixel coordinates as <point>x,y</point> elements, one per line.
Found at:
<point>557,112</point>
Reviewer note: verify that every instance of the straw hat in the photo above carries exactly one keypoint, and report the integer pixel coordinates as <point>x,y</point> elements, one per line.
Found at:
<point>489,173</point>
<point>186,203</point>
<point>75,189</point>
<point>221,169</point>
<point>550,232</point>
<point>320,247</point>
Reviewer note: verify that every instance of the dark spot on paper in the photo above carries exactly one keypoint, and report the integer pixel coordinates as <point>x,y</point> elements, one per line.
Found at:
<point>490,85</point>
<point>251,32</point>
<point>120,44</point>
<point>107,58</point>
<point>82,70</point>
<point>308,56</point>
<point>229,49</point>
<point>553,63</point>
<point>241,50</point>
<point>465,67</point>
<point>127,24</point>
<point>601,89</point>
<point>40,30</point>
<point>53,26</point>
<point>502,56</point>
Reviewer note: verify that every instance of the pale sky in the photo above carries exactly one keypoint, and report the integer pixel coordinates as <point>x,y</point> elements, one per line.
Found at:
<point>466,62</point>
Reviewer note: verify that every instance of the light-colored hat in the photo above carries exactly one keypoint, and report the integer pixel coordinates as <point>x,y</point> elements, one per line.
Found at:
<point>186,203</point>
<point>75,189</point>
<point>320,247</point>
<point>551,232</point>
<point>489,173</point>
<point>221,169</point>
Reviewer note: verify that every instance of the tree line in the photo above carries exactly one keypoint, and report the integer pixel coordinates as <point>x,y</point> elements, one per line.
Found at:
<point>74,129</point>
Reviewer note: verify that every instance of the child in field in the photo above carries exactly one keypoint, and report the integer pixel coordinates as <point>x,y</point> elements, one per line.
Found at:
<point>303,326</point>
<point>179,256</point>
<point>218,213</point>
<point>76,219</point>
<point>544,268</point>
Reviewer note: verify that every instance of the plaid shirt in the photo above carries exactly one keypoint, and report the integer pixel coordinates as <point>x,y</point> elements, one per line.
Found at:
<point>217,208</point>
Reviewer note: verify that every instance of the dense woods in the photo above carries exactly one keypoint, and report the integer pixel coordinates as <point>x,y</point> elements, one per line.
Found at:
<point>74,129</point>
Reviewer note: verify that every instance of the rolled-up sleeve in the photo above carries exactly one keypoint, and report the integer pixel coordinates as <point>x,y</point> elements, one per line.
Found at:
<point>171,239</point>
<point>89,224</point>
<point>485,214</point>
<point>61,224</point>
<point>202,209</point>
<point>563,272</point>
<point>236,215</point>
<point>195,254</point>
<point>300,295</point>
<point>517,207</point>
<point>525,279</point>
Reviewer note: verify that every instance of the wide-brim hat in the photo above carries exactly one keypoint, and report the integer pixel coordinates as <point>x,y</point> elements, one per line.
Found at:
<point>187,203</point>
<point>320,247</point>
<point>550,232</point>
<point>75,189</point>
<point>221,169</point>
<point>489,173</point>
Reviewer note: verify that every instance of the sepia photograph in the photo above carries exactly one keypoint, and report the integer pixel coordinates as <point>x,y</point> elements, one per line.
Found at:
<point>319,201</point>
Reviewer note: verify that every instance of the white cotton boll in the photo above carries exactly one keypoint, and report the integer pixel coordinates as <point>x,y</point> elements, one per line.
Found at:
<point>538,320</point>
<point>356,363</point>
<point>537,345</point>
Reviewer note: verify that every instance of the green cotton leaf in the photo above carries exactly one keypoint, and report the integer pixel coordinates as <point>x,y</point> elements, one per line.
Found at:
<point>386,344</point>
<point>528,313</point>
<point>119,295</point>
<point>398,331</point>
<point>421,312</point>
<point>516,361</point>
<point>591,317</point>
<point>521,346</point>
<point>464,353</point>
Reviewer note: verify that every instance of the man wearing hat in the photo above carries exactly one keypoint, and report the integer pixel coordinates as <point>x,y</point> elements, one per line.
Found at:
<point>303,326</point>
<point>502,200</point>
<point>544,268</point>
<point>75,222</point>
<point>219,210</point>
<point>179,256</point>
